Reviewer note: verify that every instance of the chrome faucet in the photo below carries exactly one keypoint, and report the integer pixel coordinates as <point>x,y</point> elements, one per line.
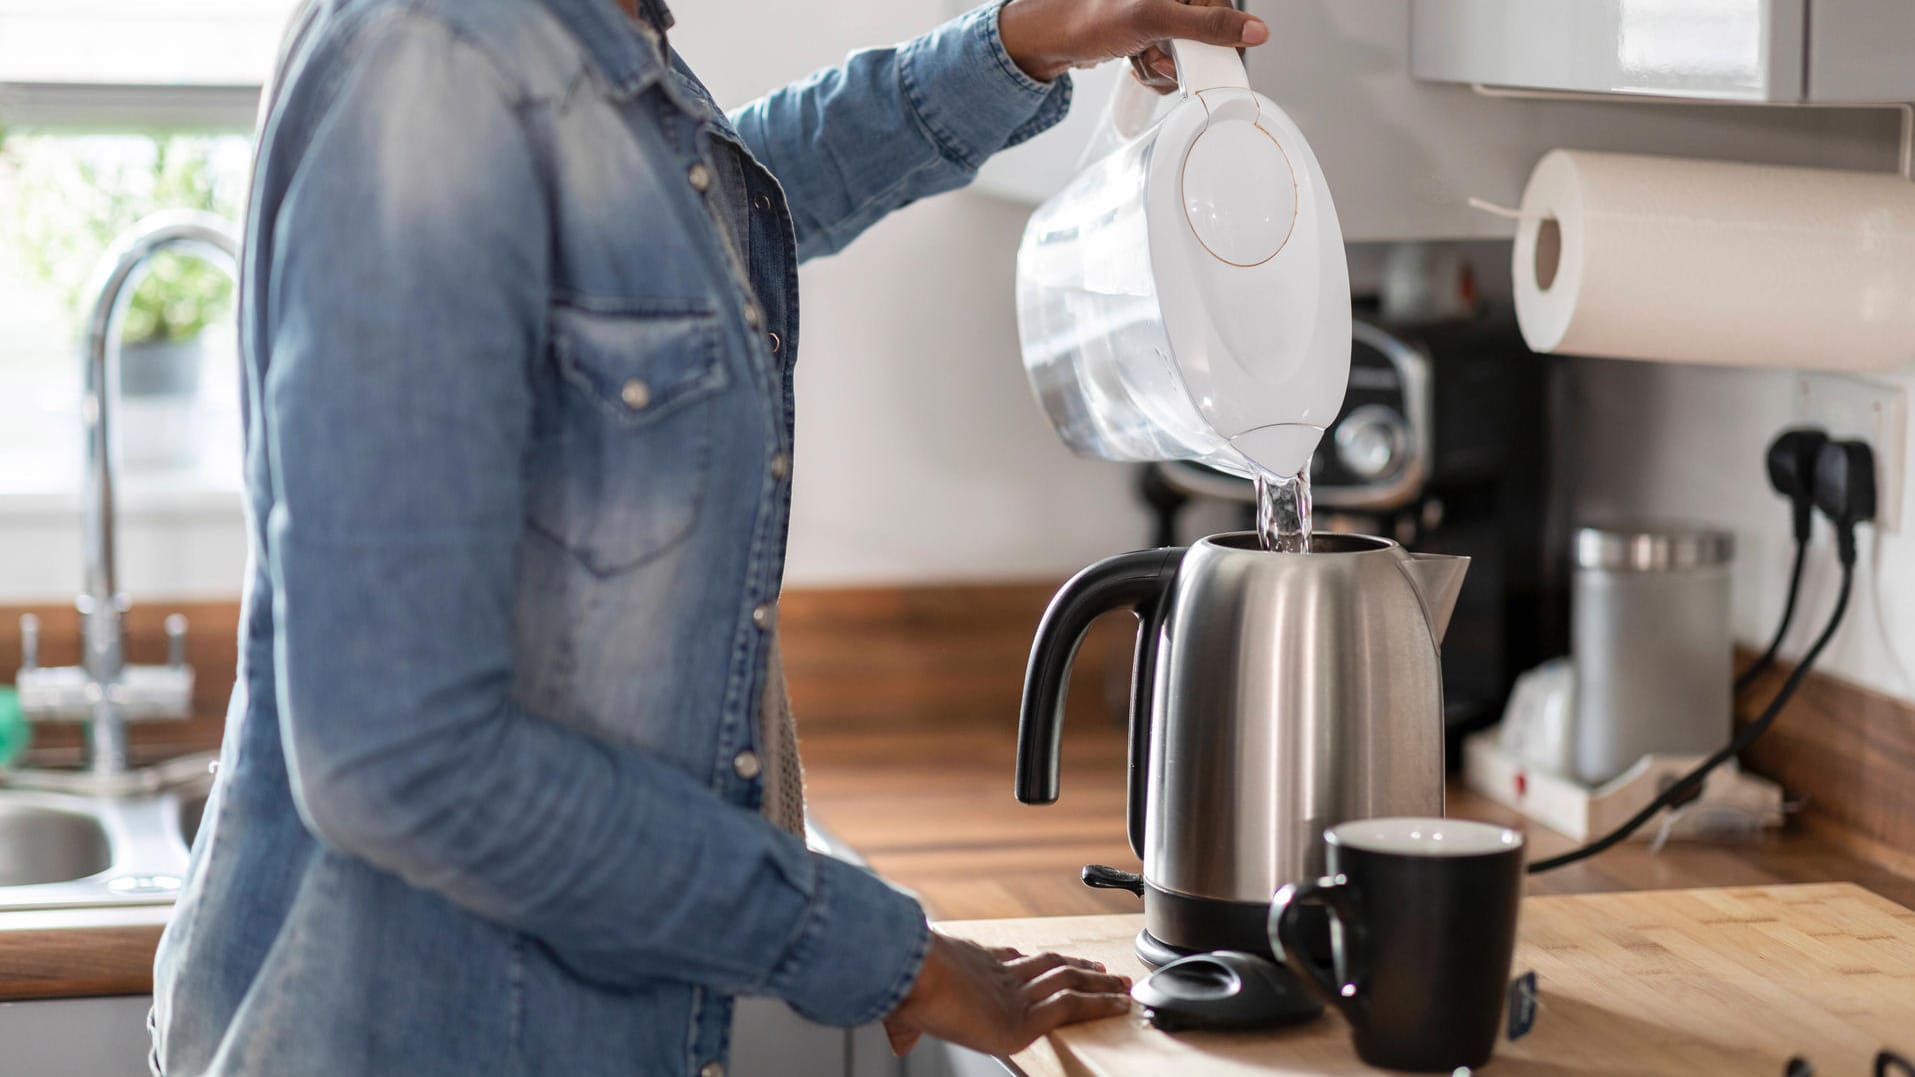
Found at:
<point>104,691</point>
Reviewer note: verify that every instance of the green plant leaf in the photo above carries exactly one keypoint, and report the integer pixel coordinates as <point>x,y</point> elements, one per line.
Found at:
<point>74,194</point>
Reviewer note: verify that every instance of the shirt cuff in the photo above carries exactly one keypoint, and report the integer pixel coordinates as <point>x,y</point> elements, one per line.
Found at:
<point>858,952</point>
<point>971,96</point>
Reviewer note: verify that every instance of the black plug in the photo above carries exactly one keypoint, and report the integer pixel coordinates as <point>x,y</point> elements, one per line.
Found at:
<point>1792,458</point>
<point>1845,490</point>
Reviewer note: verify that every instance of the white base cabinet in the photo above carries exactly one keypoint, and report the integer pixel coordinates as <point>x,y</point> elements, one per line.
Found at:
<point>107,1037</point>
<point>75,1037</point>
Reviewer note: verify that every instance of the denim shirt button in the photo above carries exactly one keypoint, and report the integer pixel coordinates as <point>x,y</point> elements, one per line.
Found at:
<point>700,177</point>
<point>636,394</point>
<point>776,343</point>
<point>761,616</point>
<point>745,764</point>
<point>780,467</point>
<point>762,203</point>
<point>712,1069</point>
<point>753,316</point>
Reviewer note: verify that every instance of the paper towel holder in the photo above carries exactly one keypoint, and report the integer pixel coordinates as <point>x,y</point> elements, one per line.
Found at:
<point>1549,238</point>
<point>1517,93</point>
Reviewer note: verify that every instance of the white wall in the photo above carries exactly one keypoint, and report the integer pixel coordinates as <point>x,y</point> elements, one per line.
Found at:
<point>921,454</point>
<point>1688,442</point>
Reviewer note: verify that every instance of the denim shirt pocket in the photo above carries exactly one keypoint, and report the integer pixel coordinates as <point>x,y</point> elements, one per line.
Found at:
<point>622,475</point>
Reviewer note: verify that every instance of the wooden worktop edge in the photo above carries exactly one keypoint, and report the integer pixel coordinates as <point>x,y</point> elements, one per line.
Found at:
<point>79,953</point>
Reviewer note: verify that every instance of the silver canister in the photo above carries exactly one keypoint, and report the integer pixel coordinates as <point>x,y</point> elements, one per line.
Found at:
<point>1652,645</point>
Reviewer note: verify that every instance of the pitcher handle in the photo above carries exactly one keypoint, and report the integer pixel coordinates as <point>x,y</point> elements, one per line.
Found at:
<point>1200,67</point>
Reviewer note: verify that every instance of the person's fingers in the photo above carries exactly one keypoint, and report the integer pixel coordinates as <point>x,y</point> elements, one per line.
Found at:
<point>1159,62</point>
<point>1213,25</point>
<point>1084,963</point>
<point>1006,953</point>
<point>1072,978</point>
<point>1029,968</point>
<point>1150,77</point>
<point>1072,1007</point>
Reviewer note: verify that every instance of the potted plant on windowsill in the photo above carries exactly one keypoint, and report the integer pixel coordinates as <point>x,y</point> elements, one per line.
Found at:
<point>163,342</point>
<point>69,208</point>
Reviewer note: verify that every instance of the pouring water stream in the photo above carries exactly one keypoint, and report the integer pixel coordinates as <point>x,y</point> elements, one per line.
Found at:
<point>1283,511</point>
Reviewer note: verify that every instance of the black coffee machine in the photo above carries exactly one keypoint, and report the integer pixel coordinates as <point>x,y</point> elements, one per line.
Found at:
<point>1453,439</point>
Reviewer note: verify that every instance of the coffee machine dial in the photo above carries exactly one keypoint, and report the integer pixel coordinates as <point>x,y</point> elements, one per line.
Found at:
<point>1376,455</point>
<point>1372,442</point>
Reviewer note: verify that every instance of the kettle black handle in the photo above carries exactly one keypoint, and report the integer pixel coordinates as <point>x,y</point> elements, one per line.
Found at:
<point>1101,877</point>
<point>1138,580</point>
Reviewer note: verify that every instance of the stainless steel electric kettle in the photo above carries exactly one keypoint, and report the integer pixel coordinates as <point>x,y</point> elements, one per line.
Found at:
<point>1274,695</point>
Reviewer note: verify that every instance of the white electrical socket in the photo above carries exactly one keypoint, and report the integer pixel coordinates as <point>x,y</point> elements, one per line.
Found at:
<point>1851,408</point>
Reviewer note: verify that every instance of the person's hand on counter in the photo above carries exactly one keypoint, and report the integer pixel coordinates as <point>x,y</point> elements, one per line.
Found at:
<point>1049,37</point>
<point>1000,1001</point>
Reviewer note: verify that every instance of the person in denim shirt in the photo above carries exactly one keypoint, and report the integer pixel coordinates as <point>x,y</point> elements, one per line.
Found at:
<point>518,319</point>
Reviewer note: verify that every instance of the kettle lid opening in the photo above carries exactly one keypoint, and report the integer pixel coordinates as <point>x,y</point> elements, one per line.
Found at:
<point>1321,543</point>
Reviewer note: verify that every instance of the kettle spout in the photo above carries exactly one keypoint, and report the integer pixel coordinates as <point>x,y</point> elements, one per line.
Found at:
<point>1439,579</point>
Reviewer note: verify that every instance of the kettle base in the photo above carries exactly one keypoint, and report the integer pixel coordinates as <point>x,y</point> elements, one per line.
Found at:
<point>1192,925</point>
<point>1155,954</point>
<point>1201,925</point>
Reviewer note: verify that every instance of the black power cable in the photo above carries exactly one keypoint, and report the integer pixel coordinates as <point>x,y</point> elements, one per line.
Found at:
<point>1762,664</point>
<point>1843,487</point>
<point>1747,736</point>
<point>1791,462</point>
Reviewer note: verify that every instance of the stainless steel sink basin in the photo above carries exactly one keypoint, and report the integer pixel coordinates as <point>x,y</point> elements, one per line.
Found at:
<point>74,850</point>
<point>50,845</point>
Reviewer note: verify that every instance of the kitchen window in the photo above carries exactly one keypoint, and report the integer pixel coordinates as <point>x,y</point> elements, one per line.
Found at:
<point>111,110</point>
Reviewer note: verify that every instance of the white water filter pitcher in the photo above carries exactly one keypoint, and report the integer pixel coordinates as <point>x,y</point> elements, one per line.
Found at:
<point>1186,297</point>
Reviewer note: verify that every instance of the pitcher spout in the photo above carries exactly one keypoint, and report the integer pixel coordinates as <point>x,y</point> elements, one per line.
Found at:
<point>1438,577</point>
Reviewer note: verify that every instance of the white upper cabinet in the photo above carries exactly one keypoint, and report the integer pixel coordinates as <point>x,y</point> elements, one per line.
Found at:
<point>1782,51</point>
<point>121,63</point>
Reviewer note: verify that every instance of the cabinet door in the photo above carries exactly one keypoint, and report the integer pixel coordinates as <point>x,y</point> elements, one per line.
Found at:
<point>79,1037</point>
<point>1742,50</point>
<point>1861,50</point>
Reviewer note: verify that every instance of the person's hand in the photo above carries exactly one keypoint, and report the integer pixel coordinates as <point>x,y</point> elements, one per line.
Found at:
<point>1049,37</point>
<point>1000,1001</point>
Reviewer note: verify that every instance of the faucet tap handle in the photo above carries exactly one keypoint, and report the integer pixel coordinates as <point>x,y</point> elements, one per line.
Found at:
<point>176,640</point>
<point>29,641</point>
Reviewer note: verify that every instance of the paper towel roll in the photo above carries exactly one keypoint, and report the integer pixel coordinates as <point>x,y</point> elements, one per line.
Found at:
<point>1711,262</point>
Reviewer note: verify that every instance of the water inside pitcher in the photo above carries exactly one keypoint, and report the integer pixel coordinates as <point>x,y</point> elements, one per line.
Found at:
<point>1186,296</point>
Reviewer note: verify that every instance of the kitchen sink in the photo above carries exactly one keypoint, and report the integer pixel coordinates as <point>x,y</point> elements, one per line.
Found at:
<point>50,845</point>
<point>74,850</point>
<point>65,849</point>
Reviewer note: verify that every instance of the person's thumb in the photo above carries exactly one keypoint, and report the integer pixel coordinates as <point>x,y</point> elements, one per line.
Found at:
<point>1212,25</point>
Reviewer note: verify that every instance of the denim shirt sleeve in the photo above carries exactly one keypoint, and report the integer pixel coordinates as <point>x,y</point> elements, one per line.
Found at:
<point>890,126</point>
<point>406,303</point>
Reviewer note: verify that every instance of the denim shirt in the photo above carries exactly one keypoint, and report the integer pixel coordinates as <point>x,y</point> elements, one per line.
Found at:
<point>518,322</point>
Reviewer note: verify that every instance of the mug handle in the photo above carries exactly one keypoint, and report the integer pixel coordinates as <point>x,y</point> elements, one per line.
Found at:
<point>1333,892</point>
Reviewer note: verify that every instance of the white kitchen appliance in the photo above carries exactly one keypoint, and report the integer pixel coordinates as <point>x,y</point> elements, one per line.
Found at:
<point>1186,296</point>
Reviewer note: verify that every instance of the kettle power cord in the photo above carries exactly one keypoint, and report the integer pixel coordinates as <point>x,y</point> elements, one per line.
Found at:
<point>1742,740</point>
<point>1790,462</point>
<point>1747,678</point>
<point>1844,489</point>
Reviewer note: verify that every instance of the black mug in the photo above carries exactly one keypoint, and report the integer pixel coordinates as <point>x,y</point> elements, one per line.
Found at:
<point>1423,928</point>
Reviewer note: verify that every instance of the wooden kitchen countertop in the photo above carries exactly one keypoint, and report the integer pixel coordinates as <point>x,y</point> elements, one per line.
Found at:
<point>931,808</point>
<point>78,953</point>
<point>929,804</point>
<point>1735,980</point>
